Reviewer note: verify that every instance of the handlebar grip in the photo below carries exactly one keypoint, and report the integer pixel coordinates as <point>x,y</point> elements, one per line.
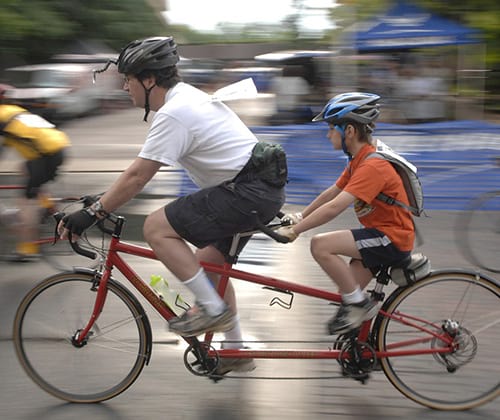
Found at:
<point>100,225</point>
<point>81,251</point>
<point>268,231</point>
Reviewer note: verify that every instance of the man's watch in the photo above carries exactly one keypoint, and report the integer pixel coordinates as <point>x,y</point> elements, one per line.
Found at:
<point>97,210</point>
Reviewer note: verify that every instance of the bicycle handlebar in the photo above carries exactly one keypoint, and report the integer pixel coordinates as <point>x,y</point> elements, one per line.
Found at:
<point>88,200</point>
<point>269,231</point>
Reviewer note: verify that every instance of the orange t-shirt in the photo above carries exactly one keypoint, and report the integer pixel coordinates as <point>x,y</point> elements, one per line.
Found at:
<point>365,178</point>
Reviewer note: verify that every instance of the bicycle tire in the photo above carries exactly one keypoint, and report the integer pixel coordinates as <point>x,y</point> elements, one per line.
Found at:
<point>473,379</point>
<point>478,231</point>
<point>117,349</point>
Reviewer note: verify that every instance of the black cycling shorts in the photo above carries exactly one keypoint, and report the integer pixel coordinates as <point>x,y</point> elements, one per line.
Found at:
<point>41,171</point>
<point>376,249</point>
<point>213,215</point>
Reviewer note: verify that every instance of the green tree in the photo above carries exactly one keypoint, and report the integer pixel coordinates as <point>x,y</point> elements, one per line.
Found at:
<point>33,30</point>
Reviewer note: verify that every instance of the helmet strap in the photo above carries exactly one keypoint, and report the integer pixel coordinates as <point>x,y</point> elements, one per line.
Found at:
<point>341,130</point>
<point>147,109</point>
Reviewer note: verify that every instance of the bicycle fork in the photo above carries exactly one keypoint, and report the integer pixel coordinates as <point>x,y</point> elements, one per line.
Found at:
<point>81,336</point>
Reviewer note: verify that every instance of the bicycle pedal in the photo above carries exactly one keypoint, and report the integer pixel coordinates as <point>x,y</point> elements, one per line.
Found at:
<point>363,378</point>
<point>357,376</point>
<point>215,378</point>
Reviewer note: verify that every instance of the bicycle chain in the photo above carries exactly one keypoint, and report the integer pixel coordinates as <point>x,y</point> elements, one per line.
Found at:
<point>340,343</point>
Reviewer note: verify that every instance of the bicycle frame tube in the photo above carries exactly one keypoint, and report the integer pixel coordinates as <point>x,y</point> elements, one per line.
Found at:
<point>226,271</point>
<point>115,260</point>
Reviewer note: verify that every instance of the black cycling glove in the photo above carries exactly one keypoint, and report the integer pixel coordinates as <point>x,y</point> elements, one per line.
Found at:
<point>79,221</point>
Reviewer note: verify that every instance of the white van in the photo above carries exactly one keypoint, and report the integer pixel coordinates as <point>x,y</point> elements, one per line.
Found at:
<point>59,91</point>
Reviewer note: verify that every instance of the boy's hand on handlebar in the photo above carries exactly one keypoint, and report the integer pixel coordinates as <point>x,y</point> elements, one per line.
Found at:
<point>288,232</point>
<point>291,218</point>
<point>76,223</point>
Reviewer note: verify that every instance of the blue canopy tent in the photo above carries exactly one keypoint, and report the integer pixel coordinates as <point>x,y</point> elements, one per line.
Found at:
<point>406,26</point>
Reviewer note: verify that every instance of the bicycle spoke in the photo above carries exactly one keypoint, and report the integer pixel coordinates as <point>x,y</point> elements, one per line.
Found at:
<point>104,364</point>
<point>465,309</point>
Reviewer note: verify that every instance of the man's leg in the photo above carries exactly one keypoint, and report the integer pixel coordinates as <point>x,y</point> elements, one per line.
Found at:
<point>28,227</point>
<point>178,257</point>
<point>233,338</point>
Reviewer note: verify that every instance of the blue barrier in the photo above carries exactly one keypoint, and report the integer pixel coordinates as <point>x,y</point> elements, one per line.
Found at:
<point>456,160</point>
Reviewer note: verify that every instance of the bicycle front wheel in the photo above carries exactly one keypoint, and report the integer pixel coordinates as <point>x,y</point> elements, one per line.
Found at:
<point>107,364</point>
<point>459,380</point>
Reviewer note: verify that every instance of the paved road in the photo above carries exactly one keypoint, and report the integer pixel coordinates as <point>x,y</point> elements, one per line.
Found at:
<point>166,389</point>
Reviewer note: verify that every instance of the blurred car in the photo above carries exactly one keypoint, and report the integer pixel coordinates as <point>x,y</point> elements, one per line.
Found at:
<point>302,84</point>
<point>58,91</point>
<point>203,74</point>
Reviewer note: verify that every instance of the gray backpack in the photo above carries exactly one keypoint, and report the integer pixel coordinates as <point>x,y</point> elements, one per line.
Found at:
<point>411,182</point>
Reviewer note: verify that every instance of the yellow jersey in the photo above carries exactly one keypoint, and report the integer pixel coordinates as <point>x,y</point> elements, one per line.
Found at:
<point>29,134</point>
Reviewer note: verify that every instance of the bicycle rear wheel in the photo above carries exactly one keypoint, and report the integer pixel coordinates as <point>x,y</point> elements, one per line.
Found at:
<point>459,380</point>
<point>478,231</point>
<point>107,364</point>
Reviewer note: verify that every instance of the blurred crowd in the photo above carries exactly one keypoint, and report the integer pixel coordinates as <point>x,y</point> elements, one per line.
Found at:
<point>292,87</point>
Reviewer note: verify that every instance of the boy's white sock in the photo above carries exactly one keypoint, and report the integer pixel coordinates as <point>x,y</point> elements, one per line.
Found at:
<point>354,297</point>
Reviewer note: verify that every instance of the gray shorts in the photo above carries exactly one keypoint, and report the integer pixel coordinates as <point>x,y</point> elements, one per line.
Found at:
<point>213,215</point>
<point>376,249</point>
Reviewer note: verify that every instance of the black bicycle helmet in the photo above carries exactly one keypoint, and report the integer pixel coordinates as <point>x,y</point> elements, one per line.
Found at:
<point>352,106</point>
<point>148,54</point>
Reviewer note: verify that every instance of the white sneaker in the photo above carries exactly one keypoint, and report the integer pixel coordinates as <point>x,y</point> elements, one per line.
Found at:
<point>227,365</point>
<point>351,316</point>
<point>233,365</point>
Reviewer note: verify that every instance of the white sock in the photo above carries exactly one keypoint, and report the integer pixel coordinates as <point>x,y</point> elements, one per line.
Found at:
<point>205,293</point>
<point>354,297</point>
<point>234,337</point>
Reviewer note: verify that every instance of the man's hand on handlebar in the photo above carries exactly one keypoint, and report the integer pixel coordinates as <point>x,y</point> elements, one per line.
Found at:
<point>76,223</point>
<point>288,232</point>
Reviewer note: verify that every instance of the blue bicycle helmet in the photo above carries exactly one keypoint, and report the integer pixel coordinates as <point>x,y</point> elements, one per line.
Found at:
<point>352,106</point>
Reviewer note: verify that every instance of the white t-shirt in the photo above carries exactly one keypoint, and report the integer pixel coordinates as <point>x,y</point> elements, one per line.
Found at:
<point>203,136</point>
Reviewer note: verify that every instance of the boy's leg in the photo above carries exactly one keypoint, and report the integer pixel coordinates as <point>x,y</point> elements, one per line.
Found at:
<point>328,249</point>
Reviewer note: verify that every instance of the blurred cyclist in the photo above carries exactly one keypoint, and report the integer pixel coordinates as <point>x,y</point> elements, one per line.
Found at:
<point>42,146</point>
<point>235,173</point>
<point>387,234</point>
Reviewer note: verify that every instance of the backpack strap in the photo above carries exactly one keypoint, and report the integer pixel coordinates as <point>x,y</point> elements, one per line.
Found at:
<point>386,198</point>
<point>392,201</point>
